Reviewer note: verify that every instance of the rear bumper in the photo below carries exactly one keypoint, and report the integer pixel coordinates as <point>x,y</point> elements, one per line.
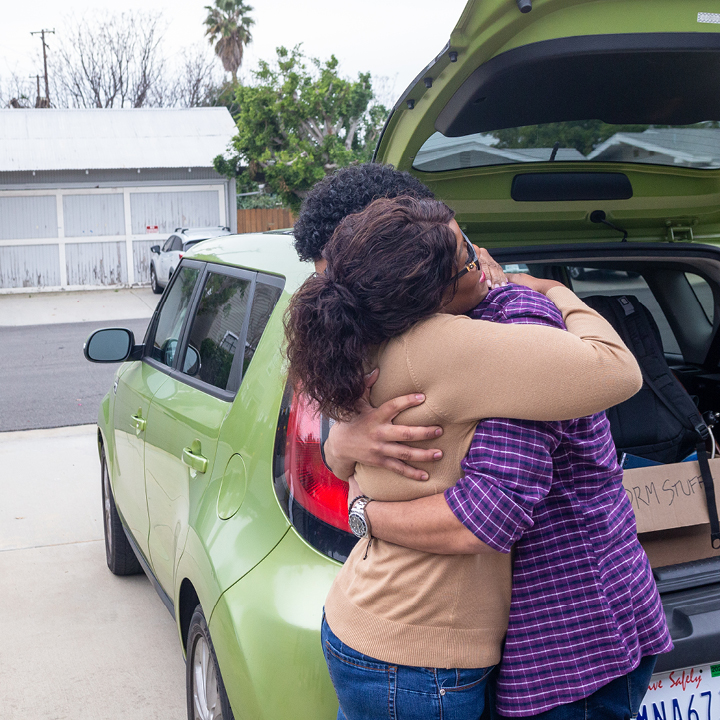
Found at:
<point>693,617</point>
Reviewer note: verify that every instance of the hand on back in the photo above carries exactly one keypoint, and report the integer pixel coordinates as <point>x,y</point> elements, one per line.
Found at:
<point>372,439</point>
<point>493,271</point>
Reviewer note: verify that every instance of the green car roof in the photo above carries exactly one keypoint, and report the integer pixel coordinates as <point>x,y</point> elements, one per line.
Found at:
<point>270,252</point>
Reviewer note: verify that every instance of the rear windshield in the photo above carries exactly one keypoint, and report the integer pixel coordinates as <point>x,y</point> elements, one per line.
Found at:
<point>695,146</point>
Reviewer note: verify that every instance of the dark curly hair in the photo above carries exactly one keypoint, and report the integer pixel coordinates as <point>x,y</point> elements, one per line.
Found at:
<point>389,266</point>
<point>347,191</point>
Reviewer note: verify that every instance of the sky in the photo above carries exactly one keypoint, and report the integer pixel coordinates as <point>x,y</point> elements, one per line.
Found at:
<point>392,39</point>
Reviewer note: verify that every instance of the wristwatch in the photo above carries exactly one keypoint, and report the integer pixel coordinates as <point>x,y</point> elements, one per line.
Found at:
<point>359,523</point>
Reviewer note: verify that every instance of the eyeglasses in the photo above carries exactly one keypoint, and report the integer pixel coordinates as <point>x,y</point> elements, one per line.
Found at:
<point>473,261</point>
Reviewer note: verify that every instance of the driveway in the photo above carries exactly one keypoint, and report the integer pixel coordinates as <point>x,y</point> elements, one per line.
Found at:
<point>78,643</point>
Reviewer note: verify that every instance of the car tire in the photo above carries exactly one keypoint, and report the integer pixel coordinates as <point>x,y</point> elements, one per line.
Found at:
<point>206,696</point>
<point>119,554</point>
<point>154,284</point>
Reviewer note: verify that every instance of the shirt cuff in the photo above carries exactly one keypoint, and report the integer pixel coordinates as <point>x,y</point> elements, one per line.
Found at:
<point>488,512</point>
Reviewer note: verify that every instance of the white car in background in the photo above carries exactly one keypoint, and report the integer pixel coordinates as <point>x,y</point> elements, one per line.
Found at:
<point>169,255</point>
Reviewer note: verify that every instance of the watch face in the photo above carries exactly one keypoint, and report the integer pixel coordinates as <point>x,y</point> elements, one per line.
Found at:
<point>357,525</point>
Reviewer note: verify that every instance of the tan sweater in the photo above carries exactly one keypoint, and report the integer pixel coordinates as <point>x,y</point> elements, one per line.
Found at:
<point>414,608</point>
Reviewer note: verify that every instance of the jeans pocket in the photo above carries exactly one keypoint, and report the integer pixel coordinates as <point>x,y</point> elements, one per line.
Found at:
<point>463,697</point>
<point>466,679</point>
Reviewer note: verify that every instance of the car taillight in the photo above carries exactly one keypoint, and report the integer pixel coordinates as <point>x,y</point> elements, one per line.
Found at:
<point>313,498</point>
<point>180,256</point>
<point>309,480</point>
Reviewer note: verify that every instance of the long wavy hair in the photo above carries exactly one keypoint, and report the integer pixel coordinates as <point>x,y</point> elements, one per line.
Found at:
<point>389,266</point>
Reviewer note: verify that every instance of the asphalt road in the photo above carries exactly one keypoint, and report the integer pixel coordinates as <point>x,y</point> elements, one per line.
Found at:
<point>45,381</point>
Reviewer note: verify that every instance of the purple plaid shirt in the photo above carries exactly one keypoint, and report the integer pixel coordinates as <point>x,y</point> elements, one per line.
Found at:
<point>585,607</point>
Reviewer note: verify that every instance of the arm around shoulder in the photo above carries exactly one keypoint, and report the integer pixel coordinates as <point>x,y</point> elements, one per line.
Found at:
<point>473,369</point>
<point>620,368</point>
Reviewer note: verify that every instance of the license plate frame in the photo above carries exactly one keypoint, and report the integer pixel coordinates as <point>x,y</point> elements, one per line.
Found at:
<point>685,694</point>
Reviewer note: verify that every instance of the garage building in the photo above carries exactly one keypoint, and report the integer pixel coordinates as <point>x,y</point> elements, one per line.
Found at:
<point>84,194</point>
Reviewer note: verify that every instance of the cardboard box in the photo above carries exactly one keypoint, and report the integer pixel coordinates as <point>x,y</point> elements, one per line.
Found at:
<point>671,511</point>
<point>678,545</point>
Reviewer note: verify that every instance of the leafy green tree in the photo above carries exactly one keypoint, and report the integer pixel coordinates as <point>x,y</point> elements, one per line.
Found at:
<point>227,25</point>
<point>298,121</point>
<point>223,95</point>
<point>262,200</point>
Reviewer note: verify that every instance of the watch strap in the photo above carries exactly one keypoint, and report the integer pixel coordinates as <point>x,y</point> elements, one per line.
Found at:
<point>354,500</point>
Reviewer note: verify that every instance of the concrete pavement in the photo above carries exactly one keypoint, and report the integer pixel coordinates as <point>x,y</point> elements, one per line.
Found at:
<point>73,307</point>
<point>78,643</point>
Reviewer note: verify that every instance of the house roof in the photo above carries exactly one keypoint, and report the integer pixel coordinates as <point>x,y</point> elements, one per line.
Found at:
<point>687,146</point>
<point>50,139</point>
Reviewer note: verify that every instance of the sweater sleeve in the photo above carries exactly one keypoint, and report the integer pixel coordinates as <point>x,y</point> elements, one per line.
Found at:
<point>474,369</point>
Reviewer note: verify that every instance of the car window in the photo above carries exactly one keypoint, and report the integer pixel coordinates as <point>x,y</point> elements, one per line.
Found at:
<point>216,329</point>
<point>189,243</point>
<point>515,268</point>
<point>695,146</point>
<point>177,243</point>
<point>172,316</point>
<point>703,292</point>
<point>594,281</point>
<point>266,296</point>
<point>168,244</point>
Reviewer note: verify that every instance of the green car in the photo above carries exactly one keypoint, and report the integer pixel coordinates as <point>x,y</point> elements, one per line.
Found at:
<point>579,141</point>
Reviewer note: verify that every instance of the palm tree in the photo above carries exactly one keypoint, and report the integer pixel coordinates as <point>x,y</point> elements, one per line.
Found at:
<point>228,25</point>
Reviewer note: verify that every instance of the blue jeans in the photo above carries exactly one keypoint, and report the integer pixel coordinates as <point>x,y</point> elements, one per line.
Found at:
<point>620,699</point>
<point>369,689</point>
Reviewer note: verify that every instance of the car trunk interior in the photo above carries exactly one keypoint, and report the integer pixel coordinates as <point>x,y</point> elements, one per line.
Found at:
<point>680,285</point>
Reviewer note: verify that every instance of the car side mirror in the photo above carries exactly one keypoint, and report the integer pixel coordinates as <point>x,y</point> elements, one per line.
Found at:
<point>111,345</point>
<point>155,249</point>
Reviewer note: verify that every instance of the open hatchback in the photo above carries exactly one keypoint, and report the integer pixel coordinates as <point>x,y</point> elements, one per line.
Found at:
<point>581,141</point>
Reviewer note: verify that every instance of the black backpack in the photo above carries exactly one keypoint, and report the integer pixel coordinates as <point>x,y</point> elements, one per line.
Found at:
<point>660,422</point>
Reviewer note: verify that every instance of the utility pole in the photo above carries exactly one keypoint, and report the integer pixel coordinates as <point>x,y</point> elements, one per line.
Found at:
<point>45,46</point>
<point>40,101</point>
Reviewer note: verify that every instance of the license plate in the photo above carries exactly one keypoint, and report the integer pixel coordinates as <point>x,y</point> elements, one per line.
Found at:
<point>689,694</point>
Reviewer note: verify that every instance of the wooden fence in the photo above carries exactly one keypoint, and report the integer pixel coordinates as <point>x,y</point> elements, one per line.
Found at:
<point>262,219</point>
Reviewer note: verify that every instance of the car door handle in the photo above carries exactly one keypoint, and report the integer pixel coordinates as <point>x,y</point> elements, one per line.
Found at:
<point>193,459</point>
<point>139,422</point>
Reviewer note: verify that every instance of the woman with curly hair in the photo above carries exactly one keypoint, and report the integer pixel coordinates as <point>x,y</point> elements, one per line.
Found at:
<point>411,634</point>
